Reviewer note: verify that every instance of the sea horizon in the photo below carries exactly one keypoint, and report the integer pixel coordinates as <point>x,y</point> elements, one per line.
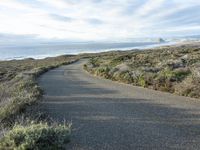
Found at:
<point>40,51</point>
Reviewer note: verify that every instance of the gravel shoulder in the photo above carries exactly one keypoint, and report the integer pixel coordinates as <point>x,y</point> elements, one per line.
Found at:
<point>114,116</point>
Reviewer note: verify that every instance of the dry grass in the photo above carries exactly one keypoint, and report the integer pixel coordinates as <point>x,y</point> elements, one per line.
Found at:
<point>36,136</point>
<point>18,88</point>
<point>170,69</point>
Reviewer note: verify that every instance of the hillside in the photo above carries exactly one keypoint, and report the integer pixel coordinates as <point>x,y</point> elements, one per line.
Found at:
<point>174,69</point>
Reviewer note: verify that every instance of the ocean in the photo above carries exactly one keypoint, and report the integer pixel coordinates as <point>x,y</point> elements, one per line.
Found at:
<point>38,51</point>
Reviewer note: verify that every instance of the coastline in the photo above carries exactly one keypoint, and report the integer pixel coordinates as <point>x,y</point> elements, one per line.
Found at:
<point>58,52</point>
<point>92,51</point>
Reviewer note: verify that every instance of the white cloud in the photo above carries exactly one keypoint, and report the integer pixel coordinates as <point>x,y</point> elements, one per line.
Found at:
<point>149,7</point>
<point>12,4</point>
<point>60,4</point>
<point>97,19</point>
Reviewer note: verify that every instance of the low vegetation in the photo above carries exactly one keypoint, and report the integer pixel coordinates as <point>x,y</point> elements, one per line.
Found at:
<point>17,83</point>
<point>36,136</point>
<point>174,69</point>
<point>18,89</point>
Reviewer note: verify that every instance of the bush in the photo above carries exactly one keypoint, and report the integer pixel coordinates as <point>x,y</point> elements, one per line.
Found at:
<point>167,74</point>
<point>118,60</point>
<point>163,83</point>
<point>36,136</point>
<point>124,77</point>
<point>141,81</point>
<point>127,77</point>
<point>180,74</point>
<point>23,92</point>
<point>94,61</point>
<point>189,87</point>
<point>103,71</point>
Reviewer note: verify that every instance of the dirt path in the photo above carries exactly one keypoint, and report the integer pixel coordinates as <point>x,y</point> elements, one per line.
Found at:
<point>113,116</point>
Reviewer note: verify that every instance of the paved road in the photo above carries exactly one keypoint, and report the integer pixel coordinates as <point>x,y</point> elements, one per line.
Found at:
<point>113,116</point>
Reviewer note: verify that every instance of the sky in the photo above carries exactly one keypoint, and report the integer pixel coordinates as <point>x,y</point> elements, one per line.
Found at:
<point>98,20</point>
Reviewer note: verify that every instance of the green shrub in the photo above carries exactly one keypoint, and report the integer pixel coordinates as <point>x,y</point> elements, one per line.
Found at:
<point>118,60</point>
<point>103,71</point>
<point>36,136</point>
<point>142,81</point>
<point>167,74</point>
<point>85,66</point>
<point>180,74</point>
<point>174,75</point>
<point>123,77</point>
<point>127,77</point>
<point>94,61</point>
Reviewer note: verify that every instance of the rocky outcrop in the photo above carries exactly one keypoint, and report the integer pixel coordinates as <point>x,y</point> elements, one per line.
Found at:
<point>160,40</point>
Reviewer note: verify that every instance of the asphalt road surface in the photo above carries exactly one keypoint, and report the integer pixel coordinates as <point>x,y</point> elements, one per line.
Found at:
<point>107,115</point>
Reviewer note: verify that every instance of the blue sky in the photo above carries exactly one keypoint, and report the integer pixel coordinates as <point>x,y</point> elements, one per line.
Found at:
<point>99,20</point>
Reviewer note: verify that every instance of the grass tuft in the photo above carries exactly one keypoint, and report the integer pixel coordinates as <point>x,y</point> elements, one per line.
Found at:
<point>36,136</point>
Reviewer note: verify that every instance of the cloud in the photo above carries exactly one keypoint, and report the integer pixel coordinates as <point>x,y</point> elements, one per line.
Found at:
<point>99,19</point>
<point>60,17</point>
<point>149,7</point>
<point>59,4</point>
<point>94,21</point>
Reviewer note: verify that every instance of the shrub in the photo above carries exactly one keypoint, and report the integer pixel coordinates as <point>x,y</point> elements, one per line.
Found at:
<point>23,92</point>
<point>189,87</point>
<point>141,81</point>
<point>125,77</point>
<point>118,60</point>
<point>103,71</point>
<point>180,74</point>
<point>167,74</point>
<point>163,83</point>
<point>94,61</point>
<point>36,136</point>
<point>85,66</point>
<point>175,75</point>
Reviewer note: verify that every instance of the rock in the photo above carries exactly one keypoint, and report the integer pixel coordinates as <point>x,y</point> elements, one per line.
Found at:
<point>123,67</point>
<point>185,57</point>
<point>112,71</point>
<point>135,74</point>
<point>160,40</point>
<point>151,69</point>
<point>90,65</point>
<point>172,63</point>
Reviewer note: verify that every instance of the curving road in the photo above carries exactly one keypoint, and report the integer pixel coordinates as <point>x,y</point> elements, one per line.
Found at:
<point>113,116</point>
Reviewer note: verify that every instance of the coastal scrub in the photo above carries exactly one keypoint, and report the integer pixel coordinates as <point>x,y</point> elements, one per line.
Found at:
<point>174,69</point>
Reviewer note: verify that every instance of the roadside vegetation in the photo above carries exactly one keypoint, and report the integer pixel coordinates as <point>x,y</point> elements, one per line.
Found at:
<point>35,136</point>
<point>18,89</point>
<point>174,69</point>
